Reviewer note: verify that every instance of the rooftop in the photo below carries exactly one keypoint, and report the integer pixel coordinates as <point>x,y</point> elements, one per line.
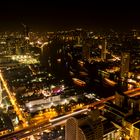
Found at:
<point>108,126</point>
<point>133,118</point>
<point>80,116</point>
<point>137,125</point>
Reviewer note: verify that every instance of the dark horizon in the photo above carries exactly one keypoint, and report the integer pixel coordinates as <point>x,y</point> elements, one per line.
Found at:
<point>53,16</point>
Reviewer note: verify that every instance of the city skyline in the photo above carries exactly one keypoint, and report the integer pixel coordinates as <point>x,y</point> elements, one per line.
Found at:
<point>52,16</point>
<point>81,82</point>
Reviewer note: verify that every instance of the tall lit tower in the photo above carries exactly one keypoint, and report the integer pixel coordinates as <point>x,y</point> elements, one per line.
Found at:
<point>103,50</point>
<point>26,36</point>
<point>134,33</point>
<point>125,58</point>
<point>0,93</point>
<point>86,49</point>
<point>78,44</point>
<point>26,30</point>
<point>71,131</point>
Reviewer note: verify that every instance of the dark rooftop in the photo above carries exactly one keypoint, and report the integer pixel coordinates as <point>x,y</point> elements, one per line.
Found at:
<point>137,97</point>
<point>108,126</point>
<point>80,116</point>
<point>137,125</point>
<point>133,118</point>
<point>119,109</point>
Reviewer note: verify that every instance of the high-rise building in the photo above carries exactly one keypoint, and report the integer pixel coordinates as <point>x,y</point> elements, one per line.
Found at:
<point>84,127</point>
<point>71,132</point>
<point>26,30</point>
<point>125,57</point>
<point>86,48</point>
<point>0,93</point>
<point>103,50</point>
<point>134,33</point>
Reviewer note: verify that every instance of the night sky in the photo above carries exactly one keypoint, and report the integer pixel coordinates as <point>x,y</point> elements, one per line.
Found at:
<point>51,15</point>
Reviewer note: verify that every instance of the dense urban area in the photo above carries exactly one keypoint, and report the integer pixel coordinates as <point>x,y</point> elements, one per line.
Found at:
<point>70,85</point>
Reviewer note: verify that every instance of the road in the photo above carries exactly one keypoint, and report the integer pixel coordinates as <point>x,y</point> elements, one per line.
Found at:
<point>133,93</point>
<point>13,101</point>
<point>33,129</point>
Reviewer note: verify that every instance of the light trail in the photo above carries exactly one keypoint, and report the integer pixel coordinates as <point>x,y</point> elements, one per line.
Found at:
<point>69,115</point>
<point>131,91</point>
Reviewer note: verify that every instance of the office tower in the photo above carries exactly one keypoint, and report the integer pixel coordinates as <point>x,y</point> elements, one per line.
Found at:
<point>26,30</point>
<point>125,57</point>
<point>86,49</point>
<point>134,33</point>
<point>71,129</point>
<point>0,93</point>
<point>78,39</point>
<point>103,50</point>
<point>84,127</point>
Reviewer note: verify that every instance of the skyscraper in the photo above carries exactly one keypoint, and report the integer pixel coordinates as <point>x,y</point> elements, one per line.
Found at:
<point>86,49</point>
<point>84,127</point>
<point>125,57</point>
<point>0,93</point>
<point>71,132</point>
<point>26,30</point>
<point>103,50</point>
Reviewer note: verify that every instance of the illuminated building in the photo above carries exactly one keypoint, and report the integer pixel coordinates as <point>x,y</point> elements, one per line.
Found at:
<point>120,99</point>
<point>103,50</point>
<point>86,49</point>
<point>115,113</point>
<point>110,131</point>
<point>134,33</point>
<point>136,130</point>
<point>0,93</point>
<point>71,129</point>
<point>84,127</point>
<point>125,65</point>
<point>131,101</point>
<point>26,30</point>
<point>124,113</point>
